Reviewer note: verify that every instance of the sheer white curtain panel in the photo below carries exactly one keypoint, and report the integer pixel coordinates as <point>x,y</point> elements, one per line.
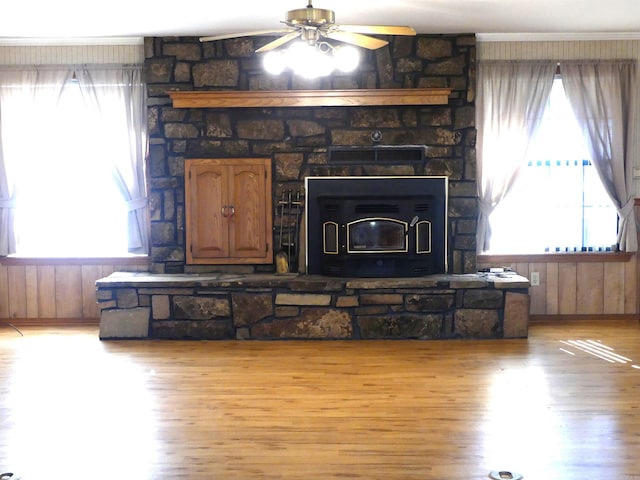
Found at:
<point>602,95</point>
<point>512,96</point>
<point>20,91</point>
<point>119,93</point>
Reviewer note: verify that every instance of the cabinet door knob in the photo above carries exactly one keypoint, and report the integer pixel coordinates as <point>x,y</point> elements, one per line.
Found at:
<point>233,210</point>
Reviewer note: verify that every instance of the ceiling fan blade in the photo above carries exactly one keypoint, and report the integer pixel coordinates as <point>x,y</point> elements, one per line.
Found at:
<point>378,29</point>
<point>356,39</point>
<point>279,41</point>
<point>243,34</point>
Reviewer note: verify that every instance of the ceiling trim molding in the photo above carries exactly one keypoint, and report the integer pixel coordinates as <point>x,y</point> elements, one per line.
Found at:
<point>71,41</point>
<point>555,37</point>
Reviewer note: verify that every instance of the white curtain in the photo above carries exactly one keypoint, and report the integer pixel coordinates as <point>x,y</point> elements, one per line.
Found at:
<point>20,91</point>
<point>120,92</point>
<point>511,99</point>
<point>602,95</point>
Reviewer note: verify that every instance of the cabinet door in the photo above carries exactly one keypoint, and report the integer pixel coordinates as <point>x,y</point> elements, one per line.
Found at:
<point>206,189</point>
<point>247,227</point>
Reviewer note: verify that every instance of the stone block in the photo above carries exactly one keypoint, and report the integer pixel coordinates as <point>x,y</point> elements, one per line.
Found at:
<point>240,47</point>
<point>450,66</point>
<point>219,125</point>
<point>124,323</point>
<point>303,299</point>
<point>288,165</point>
<point>158,70</point>
<point>476,323</point>
<point>216,73</point>
<point>180,130</point>
<point>200,308</point>
<point>182,51</point>
<point>347,301</point>
<point>127,297</point>
<point>316,323</point>
<point>261,129</point>
<point>104,305</point>
<point>250,308</point>
<point>516,315</point>
<point>434,49</point>
<point>144,301</point>
<point>305,128</point>
<point>485,298</point>
<point>104,294</point>
<point>429,303</point>
<point>372,310</point>
<point>375,118</point>
<point>287,311</point>
<point>381,299</point>
<point>243,334</point>
<point>408,325</point>
<point>219,329</point>
<point>160,307</point>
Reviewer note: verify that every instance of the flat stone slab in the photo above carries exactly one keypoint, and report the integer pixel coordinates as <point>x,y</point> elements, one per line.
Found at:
<point>507,280</point>
<point>124,323</point>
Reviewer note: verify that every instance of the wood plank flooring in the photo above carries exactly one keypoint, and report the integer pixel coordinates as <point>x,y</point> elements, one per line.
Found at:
<point>559,405</point>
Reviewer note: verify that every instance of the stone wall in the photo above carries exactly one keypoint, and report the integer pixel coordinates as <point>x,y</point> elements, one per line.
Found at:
<point>297,138</point>
<point>267,306</point>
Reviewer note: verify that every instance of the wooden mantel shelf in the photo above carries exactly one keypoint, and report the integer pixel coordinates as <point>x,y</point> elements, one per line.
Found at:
<point>309,98</point>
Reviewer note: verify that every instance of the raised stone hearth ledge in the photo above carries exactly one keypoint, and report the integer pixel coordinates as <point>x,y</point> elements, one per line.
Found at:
<point>268,306</point>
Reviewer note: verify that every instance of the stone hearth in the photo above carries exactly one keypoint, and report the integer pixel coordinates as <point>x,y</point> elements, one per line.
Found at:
<point>269,306</point>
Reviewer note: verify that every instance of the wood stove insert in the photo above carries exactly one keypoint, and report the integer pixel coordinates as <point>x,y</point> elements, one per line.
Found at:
<point>376,226</point>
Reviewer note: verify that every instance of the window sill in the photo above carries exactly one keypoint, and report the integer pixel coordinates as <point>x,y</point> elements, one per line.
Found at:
<point>28,261</point>
<point>567,257</point>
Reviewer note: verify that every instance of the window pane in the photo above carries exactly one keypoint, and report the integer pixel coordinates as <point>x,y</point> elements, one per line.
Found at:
<point>67,201</point>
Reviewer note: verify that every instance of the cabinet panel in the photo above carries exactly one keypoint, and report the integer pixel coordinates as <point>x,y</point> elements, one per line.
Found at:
<point>229,211</point>
<point>247,225</point>
<point>207,196</point>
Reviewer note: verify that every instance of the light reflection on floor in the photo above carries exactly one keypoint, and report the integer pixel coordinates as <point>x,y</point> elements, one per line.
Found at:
<point>596,349</point>
<point>519,422</point>
<point>50,419</point>
<point>526,427</point>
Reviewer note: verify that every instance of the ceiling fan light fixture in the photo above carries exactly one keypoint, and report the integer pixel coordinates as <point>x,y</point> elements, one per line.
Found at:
<point>274,62</point>
<point>312,61</point>
<point>308,61</point>
<point>346,58</point>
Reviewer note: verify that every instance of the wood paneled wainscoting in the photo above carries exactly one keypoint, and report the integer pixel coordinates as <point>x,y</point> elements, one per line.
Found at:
<point>56,291</point>
<point>576,285</point>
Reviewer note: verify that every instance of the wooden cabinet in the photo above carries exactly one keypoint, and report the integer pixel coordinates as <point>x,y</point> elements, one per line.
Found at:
<point>229,214</point>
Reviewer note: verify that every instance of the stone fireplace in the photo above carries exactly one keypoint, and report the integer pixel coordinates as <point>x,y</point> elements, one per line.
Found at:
<point>443,298</point>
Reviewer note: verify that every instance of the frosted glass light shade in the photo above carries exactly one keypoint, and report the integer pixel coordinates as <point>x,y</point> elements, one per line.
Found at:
<point>274,62</point>
<point>346,58</point>
<point>312,61</point>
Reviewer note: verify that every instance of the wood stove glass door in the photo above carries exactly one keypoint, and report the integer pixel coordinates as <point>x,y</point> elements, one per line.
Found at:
<point>376,235</point>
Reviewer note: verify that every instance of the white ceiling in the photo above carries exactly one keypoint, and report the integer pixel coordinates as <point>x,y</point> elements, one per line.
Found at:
<point>134,18</point>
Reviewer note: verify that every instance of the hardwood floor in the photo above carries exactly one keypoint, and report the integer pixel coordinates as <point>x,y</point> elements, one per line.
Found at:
<point>72,407</point>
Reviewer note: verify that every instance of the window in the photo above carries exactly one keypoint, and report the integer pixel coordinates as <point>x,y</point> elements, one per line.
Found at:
<point>70,167</point>
<point>558,203</point>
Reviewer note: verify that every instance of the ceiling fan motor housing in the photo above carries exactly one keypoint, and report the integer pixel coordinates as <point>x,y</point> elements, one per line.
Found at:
<point>311,16</point>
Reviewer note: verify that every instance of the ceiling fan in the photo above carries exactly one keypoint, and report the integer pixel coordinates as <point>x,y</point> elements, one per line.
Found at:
<point>312,25</point>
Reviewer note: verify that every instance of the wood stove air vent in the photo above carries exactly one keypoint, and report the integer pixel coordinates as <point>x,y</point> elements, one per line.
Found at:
<point>376,208</point>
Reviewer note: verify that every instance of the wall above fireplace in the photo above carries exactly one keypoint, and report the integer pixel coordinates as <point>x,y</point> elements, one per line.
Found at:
<point>298,139</point>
